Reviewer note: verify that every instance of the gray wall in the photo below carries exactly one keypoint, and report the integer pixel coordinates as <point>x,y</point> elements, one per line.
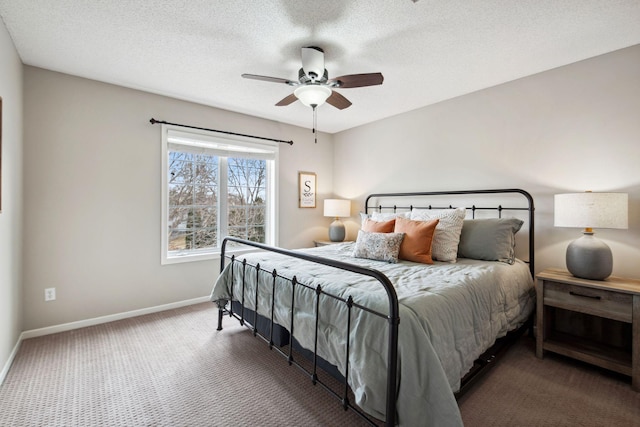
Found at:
<point>92,196</point>
<point>571,129</point>
<point>11,215</point>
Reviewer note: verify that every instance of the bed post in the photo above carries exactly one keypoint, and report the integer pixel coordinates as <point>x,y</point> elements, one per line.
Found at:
<point>392,369</point>
<point>223,302</point>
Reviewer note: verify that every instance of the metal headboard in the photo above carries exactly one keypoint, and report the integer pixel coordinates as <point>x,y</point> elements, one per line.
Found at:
<point>473,208</point>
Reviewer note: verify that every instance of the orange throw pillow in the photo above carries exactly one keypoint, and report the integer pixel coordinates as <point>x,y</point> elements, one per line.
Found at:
<point>378,226</point>
<point>418,235</point>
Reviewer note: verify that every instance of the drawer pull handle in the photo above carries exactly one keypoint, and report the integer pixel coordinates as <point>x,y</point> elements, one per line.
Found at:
<point>575,294</point>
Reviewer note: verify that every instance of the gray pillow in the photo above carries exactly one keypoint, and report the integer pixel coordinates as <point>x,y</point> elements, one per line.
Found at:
<point>491,239</point>
<point>378,246</point>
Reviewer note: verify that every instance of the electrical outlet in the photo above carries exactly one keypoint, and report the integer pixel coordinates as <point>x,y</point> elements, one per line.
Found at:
<point>50,294</point>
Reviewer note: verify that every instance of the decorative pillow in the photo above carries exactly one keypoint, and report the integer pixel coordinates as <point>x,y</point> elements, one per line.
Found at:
<point>447,235</point>
<point>418,235</point>
<point>378,246</point>
<point>364,217</point>
<point>379,216</point>
<point>492,239</point>
<point>378,226</point>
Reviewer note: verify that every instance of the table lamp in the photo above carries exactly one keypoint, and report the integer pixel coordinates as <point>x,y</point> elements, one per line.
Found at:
<point>337,208</point>
<point>587,256</point>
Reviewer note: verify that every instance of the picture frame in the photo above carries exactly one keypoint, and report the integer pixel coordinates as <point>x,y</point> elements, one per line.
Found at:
<point>307,185</point>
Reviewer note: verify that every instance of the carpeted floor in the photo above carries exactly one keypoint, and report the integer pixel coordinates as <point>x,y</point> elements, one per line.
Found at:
<point>174,369</point>
<point>523,390</point>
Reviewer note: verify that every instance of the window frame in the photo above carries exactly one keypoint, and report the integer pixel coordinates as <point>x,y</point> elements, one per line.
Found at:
<point>212,140</point>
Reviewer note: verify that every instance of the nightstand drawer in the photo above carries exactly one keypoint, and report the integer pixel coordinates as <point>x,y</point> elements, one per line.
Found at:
<point>597,302</point>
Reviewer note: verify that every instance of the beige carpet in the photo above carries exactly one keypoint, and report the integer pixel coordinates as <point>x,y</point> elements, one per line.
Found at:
<point>523,390</point>
<point>174,369</point>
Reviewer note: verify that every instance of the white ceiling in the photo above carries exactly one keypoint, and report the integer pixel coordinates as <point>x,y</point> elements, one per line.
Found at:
<point>428,51</point>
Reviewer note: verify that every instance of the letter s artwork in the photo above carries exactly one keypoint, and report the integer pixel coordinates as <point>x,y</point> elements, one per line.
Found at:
<point>307,189</point>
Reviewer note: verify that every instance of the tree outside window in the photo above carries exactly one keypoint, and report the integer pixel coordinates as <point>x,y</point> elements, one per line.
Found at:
<point>194,192</point>
<point>214,187</point>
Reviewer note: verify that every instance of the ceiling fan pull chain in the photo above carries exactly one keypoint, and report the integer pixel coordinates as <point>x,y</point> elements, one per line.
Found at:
<point>315,123</point>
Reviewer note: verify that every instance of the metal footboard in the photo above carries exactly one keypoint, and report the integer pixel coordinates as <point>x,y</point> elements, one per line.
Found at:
<point>392,317</point>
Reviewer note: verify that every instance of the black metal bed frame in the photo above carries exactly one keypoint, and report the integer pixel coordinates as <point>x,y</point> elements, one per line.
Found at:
<point>392,317</point>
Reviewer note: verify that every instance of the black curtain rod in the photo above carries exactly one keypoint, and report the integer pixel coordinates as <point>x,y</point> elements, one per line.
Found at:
<point>154,121</point>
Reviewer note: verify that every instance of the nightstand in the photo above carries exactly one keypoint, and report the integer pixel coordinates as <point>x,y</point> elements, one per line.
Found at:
<point>594,321</point>
<point>327,242</point>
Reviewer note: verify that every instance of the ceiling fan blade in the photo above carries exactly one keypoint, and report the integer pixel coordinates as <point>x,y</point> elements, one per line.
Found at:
<point>287,100</point>
<point>269,79</point>
<point>338,101</point>
<point>357,80</point>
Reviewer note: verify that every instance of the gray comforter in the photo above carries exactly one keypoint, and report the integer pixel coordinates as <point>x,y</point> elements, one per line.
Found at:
<point>449,314</point>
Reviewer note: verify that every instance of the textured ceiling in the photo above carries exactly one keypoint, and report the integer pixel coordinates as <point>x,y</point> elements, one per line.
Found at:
<point>428,51</point>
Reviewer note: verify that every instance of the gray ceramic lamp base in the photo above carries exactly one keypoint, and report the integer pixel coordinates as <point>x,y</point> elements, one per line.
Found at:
<point>336,231</point>
<point>589,258</point>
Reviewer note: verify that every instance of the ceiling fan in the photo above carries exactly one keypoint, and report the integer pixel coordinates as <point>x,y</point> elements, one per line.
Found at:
<point>314,87</point>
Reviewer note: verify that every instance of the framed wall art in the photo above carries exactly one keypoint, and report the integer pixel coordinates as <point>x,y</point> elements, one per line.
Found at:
<point>306,190</point>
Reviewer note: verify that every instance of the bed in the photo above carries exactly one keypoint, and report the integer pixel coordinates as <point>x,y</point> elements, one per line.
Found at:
<point>404,334</point>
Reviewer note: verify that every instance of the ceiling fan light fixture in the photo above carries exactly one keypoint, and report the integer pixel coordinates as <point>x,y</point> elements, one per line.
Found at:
<point>312,95</point>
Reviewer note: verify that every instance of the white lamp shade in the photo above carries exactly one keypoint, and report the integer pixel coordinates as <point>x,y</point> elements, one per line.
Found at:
<point>337,208</point>
<point>591,210</point>
<point>311,95</point>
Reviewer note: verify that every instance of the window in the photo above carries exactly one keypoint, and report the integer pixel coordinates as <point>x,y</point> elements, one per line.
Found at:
<point>213,187</point>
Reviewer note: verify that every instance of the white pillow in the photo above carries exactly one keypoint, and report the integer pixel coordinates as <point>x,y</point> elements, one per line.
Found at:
<point>363,218</point>
<point>378,216</point>
<point>447,235</point>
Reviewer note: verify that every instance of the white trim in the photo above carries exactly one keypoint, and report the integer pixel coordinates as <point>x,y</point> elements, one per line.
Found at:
<point>12,356</point>
<point>207,256</point>
<point>190,257</point>
<point>273,202</point>
<point>164,239</point>
<point>109,318</point>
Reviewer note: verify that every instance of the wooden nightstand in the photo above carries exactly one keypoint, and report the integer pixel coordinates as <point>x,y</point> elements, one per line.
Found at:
<point>595,321</point>
<point>327,242</point>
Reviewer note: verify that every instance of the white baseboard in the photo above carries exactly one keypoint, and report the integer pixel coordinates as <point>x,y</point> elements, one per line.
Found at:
<point>90,322</point>
<point>109,318</point>
<point>12,356</point>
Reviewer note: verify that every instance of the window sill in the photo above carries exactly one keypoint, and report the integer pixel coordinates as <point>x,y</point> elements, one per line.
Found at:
<point>209,256</point>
